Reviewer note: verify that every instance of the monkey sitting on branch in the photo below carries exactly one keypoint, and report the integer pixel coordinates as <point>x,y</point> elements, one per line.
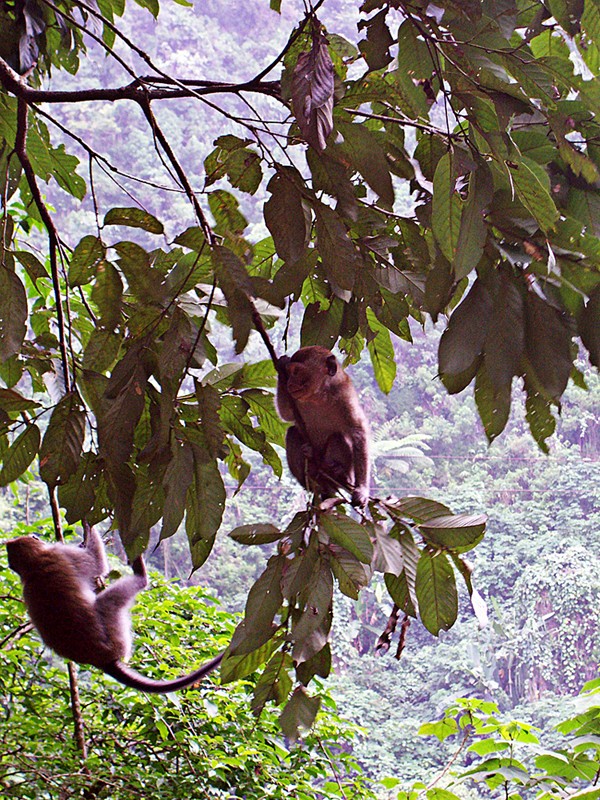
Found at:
<point>328,447</point>
<point>80,624</point>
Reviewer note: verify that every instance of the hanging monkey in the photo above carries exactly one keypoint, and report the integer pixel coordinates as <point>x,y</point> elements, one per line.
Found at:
<point>330,446</point>
<point>60,583</point>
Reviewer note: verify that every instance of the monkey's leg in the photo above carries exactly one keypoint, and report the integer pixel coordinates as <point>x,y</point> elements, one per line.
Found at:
<point>300,458</point>
<point>337,463</point>
<point>360,450</point>
<point>94,547</point>
<point>112,607</point>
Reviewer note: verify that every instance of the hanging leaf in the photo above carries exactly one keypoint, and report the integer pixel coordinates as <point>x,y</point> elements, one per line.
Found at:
<point>263,603</point>
<point>381,351</point>
<point>205,506</point>
<point>176,482</point>
<point>78,493</point>
<point>299,714</point>
<point>534,195</point>
<point>336,248</point>
<point>505,341</point>
<point>493,404</point>
<point>349,534</point>
<point>436,592</point>
<point>447,208</point>
<point>548,346</point>
<point>62,444</point>
<point>286,216</point>
<point>88,253</point>
<point>589,327</point>
<point>365,151</point>
<point>13,313</point>
<point>274,683</point>
<point>312,93</point>
<point>20,454</point>
<point>538,413</point>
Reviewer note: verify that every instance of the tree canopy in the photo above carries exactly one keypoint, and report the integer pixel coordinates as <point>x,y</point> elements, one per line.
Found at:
<point>118,381</point>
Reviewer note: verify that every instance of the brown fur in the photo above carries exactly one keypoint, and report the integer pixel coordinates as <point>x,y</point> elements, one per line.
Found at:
<point>335,449</point>
<point>78,623</point>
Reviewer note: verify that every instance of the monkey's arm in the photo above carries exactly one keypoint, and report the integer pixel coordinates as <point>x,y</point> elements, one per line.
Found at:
<point>94,547</point>
<point>360,447</point>
<point>283,399</point>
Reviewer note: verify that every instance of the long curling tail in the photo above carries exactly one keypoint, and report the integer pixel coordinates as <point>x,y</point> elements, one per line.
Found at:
<point>129,677</point>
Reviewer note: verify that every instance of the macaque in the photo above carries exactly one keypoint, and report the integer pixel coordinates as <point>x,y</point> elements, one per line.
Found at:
<point>80,623</point>
<point>333,449</point>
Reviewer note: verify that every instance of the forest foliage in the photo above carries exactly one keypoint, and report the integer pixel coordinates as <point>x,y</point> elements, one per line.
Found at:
<point>117,387</point>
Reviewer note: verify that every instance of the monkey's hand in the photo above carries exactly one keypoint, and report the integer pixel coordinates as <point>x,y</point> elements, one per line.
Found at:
<point>360,497</point>
<point>306,450</point>
<point>282,363</point>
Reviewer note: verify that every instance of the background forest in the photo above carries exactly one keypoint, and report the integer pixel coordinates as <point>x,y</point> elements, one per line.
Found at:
<point>536,568</point>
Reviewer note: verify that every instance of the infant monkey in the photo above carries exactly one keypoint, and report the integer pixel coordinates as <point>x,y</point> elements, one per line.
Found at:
<point>335,450</point>
<point>59,589</point>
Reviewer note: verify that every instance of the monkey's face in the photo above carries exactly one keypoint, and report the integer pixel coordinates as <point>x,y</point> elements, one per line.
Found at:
<point>22,553</point>
<point>309,371</point>
<point>302,383</point>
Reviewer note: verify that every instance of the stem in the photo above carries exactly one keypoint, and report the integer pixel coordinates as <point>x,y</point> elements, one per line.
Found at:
<point>21,151</point>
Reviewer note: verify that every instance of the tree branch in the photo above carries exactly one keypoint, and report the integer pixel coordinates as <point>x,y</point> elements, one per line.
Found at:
<point>21,151</point>
<point>137,90</point>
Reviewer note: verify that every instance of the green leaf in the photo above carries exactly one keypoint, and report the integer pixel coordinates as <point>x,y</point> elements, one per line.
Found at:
<point>548,346</point>
<point>436,592</point>
<point>13,313</point>
<point>381,351</point>
<point>235,283</point>
<point>205,506</point>
<point>86,257</point>
<point>534,195</point>
<point>62,444</point>
<point>13,401</point>
<point>336,248</point>
<point>419,509</point>
<point>321,327</point>
<point>493,404</point>
<point>447,208</point>
<point>19,455</point>
<point>176,482</point>
<point>540,419</point>
<point>102,350</point>
<point>78,493</point>
<point>473,229</point>
<point>397,586</point>
<point>364,149</point>
<point>286,216</point>
<point>233,159</point>
<point>107,294</point>
<point>274,683</point>
<point>505,340</point>
<point>459,532</point>
<point>257,533</point>
<point>348,534</point>
<point>133,218</point>
<point>299,714</point>
<point>463,340</point>
<point>350,574</point>
<point>263,603</point>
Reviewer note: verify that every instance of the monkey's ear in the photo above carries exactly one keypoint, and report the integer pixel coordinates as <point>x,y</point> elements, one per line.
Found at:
<point>332,365</point>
